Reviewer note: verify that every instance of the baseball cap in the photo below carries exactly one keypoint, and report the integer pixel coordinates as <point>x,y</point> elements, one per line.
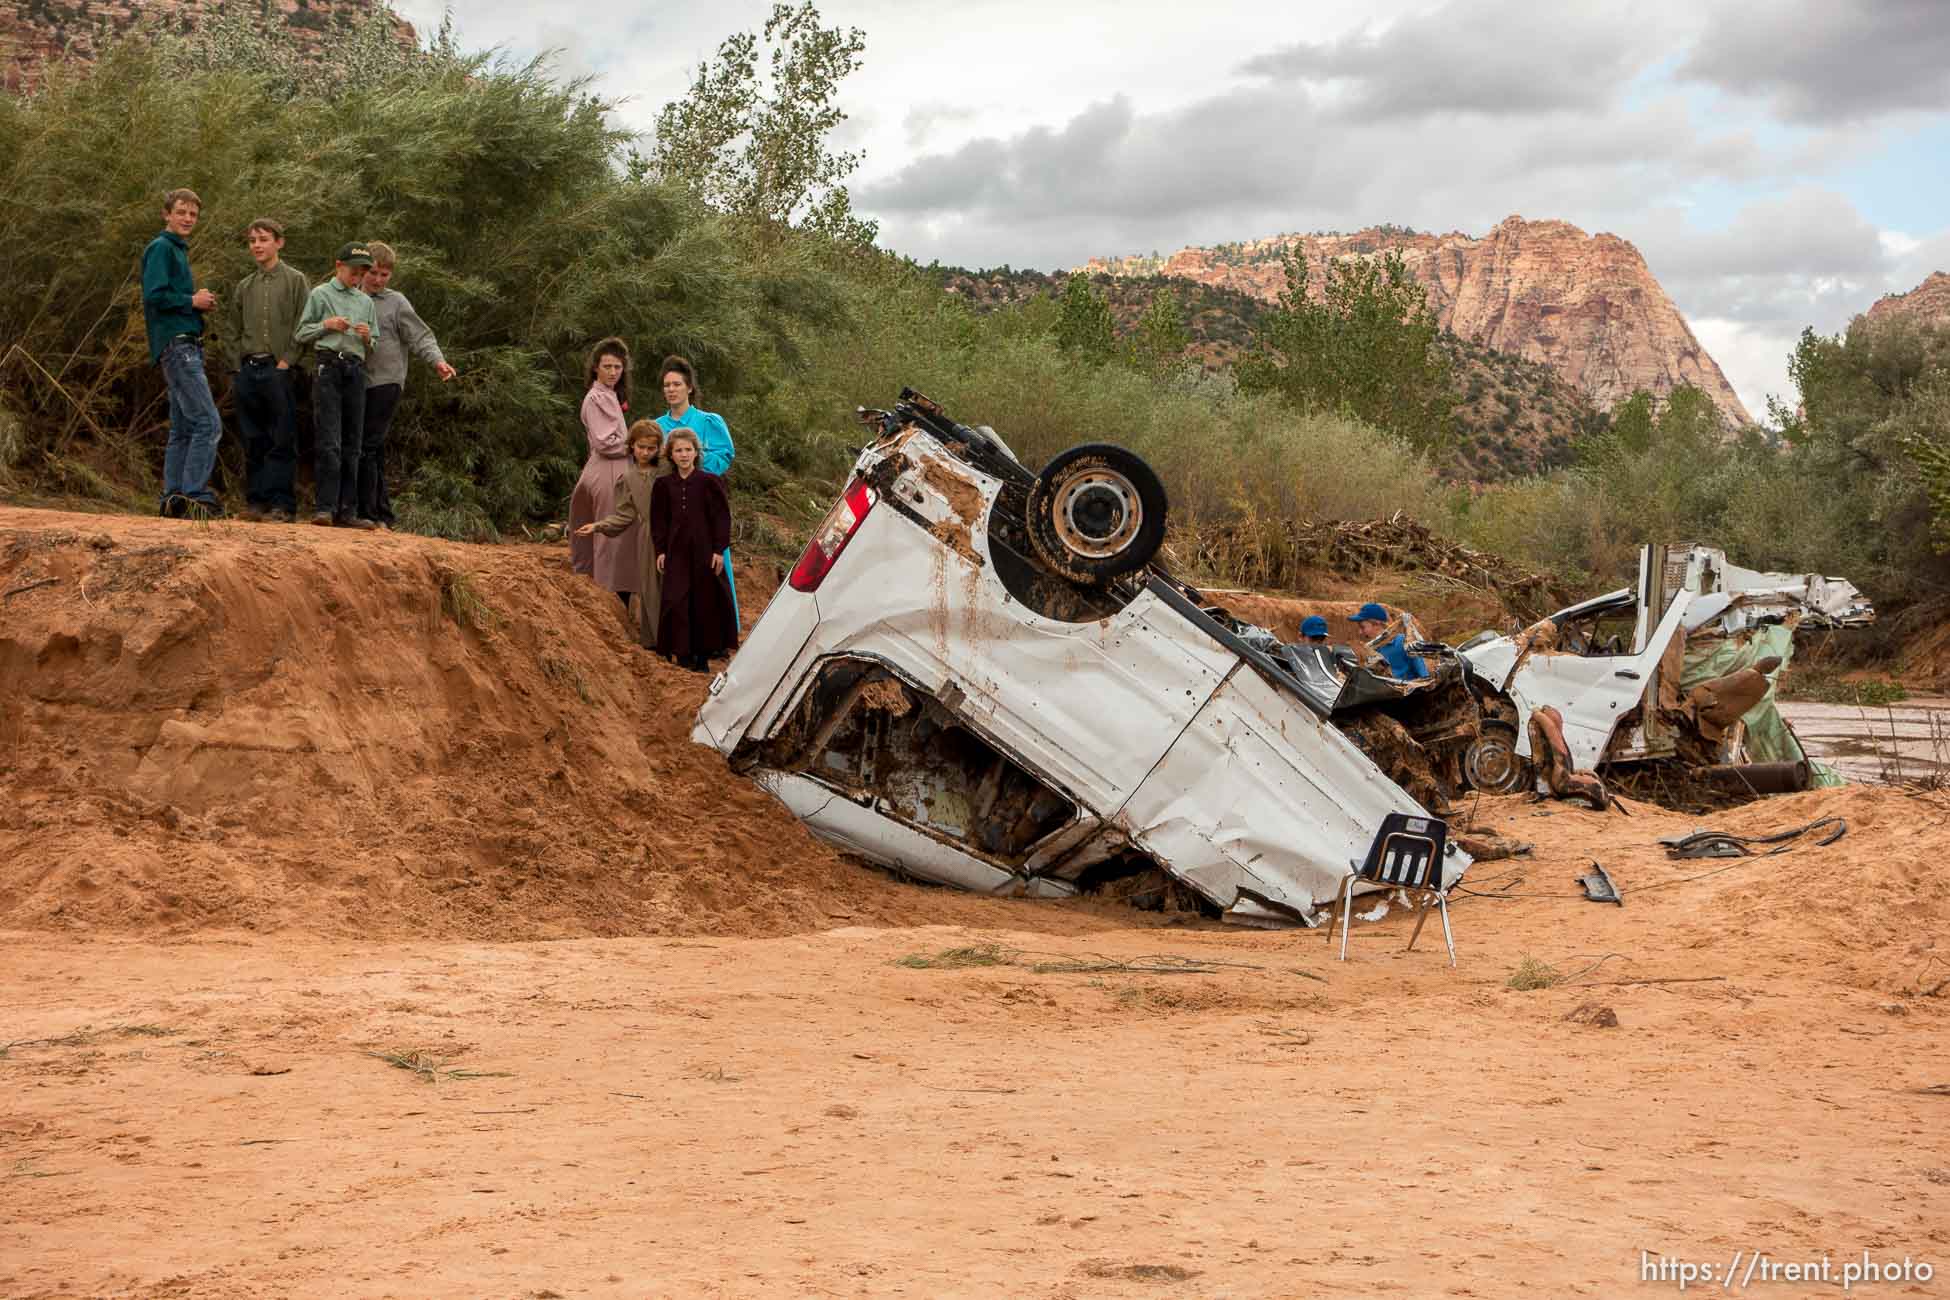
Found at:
<point>1369,611</point>
<point>355,254</point>
<point>1313,625</point>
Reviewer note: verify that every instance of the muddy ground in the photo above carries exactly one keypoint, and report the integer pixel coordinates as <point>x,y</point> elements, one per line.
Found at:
<point>1893,743</point>
<point>439,979</point>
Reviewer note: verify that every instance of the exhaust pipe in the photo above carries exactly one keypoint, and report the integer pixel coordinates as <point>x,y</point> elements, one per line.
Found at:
<point>1760,778</point>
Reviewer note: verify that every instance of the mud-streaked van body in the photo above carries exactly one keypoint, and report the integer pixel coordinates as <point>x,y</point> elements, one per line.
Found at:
<point>905,697</point>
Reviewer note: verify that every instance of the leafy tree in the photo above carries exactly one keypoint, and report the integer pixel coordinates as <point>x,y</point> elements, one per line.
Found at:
<point>1084,326</point>
<point>758,146</point>
<point>1870,429</point>
<point>1633,423</point>
<point>1925,426</point>
<point>1161,337</point>
<point>1367,346</point>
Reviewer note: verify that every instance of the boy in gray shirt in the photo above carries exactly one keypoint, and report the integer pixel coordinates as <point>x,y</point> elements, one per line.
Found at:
<point>400,328</point>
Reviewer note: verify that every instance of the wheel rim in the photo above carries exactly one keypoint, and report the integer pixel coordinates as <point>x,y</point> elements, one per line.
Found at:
<point>1097,513</point>
<point>1493,764</point>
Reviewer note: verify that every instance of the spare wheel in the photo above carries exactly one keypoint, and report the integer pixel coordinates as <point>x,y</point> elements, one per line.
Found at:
<point>1095,512</point>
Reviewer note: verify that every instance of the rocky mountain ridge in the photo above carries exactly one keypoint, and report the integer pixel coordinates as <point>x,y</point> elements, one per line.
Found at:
<point>1513,416</point>
<point>34,33</point>
<point>1928,303</point>
<point>1585,305</point>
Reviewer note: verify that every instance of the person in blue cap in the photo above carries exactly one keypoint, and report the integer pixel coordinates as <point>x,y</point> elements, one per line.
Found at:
<point>1372,619</point>
<point>1313,628</point>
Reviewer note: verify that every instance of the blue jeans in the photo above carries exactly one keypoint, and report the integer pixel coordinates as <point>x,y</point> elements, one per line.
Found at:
<point>268,418</point>
<point>194,426</point>
<point>338,401</point>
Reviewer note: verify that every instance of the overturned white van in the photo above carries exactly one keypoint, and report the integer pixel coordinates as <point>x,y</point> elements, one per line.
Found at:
<point>976,676</point>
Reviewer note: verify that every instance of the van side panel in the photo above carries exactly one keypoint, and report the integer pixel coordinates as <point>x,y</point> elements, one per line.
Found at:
<point>1090,706</point>
<point>750,692</point>
<point>1261,794</point>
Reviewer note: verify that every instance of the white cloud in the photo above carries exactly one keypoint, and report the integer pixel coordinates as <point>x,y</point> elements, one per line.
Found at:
<point>1754,358</point>
<point>1710,133</point>
<point>1896,244</point>
<point>1827,60</point>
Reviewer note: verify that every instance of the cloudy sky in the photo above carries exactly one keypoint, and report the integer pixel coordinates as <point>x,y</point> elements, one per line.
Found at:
<point>1780,163</point>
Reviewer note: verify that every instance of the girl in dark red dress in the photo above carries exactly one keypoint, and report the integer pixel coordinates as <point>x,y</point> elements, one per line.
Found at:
<point>690,523</point>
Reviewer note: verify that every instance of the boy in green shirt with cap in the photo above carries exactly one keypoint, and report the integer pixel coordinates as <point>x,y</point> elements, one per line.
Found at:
<point>340,320</point>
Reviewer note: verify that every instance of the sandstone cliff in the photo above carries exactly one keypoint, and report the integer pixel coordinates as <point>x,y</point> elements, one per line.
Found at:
<point>35,32</point>
<point>1585,305</point>
<point>1928,302</point>
<point>1513,417</point>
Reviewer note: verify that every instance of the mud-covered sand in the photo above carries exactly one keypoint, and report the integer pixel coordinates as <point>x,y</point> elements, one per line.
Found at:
<point>369,735</point>
<point>743,1091</point>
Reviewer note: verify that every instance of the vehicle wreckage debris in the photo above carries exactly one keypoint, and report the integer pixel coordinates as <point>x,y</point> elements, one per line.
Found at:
<point>1553,758</point>
<point>1722,844</point>
<point>1598,886</point>
<point>1089,725</point>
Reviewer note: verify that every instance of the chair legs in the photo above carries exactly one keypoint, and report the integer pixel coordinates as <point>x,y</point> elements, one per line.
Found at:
<point>1347,912</point>
<point>1441,903</point>
<point>1421,919</point>
<point>1433,900</point>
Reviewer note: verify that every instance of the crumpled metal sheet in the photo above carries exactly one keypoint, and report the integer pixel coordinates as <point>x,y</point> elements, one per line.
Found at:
<point>1260,796</point>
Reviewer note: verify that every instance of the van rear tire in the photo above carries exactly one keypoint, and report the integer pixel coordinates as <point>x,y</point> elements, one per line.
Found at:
<point>1096,512</point>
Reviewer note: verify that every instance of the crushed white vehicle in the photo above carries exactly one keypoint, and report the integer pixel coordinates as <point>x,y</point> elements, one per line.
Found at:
<point>976,675</point>
<point>1666,685</point>
<point>1622,670</point>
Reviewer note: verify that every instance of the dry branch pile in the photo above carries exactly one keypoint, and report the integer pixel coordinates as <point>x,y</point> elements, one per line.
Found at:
<point>1279,554</point>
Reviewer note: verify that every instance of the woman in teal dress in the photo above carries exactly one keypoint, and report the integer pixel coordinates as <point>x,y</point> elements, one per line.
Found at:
<point>714,439</point>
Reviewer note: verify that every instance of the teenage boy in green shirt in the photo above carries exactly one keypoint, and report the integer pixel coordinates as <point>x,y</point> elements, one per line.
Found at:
<point>257,337</point>
<point>340,320</point>
<point>172,313</point>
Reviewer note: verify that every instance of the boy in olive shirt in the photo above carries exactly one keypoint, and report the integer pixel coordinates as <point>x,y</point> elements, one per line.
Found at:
<point>257,337</point>
<point>339,318</point>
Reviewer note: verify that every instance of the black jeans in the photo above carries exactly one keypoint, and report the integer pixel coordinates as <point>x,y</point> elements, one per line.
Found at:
<point>374,503</point>
<point>338,403</point>
<point>267,413</point>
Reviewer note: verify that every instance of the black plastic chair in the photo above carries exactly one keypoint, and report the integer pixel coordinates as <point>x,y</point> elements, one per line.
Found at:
<point>1407,855</point>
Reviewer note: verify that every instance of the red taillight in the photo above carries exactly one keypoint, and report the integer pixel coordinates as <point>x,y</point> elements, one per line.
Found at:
<point>834,531</point>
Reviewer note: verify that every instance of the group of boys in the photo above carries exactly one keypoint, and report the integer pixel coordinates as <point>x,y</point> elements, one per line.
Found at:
<point>359,330</point>
<point>1372,620</point>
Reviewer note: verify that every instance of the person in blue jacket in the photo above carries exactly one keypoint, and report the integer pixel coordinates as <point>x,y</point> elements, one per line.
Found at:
<point>1373,622</point>
<point>679,380</point>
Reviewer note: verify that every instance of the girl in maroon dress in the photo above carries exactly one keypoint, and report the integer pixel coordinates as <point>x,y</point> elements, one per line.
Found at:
<point>690,526</point>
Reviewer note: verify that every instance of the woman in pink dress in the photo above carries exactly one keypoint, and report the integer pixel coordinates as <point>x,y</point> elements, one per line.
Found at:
<point>610,561</point>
